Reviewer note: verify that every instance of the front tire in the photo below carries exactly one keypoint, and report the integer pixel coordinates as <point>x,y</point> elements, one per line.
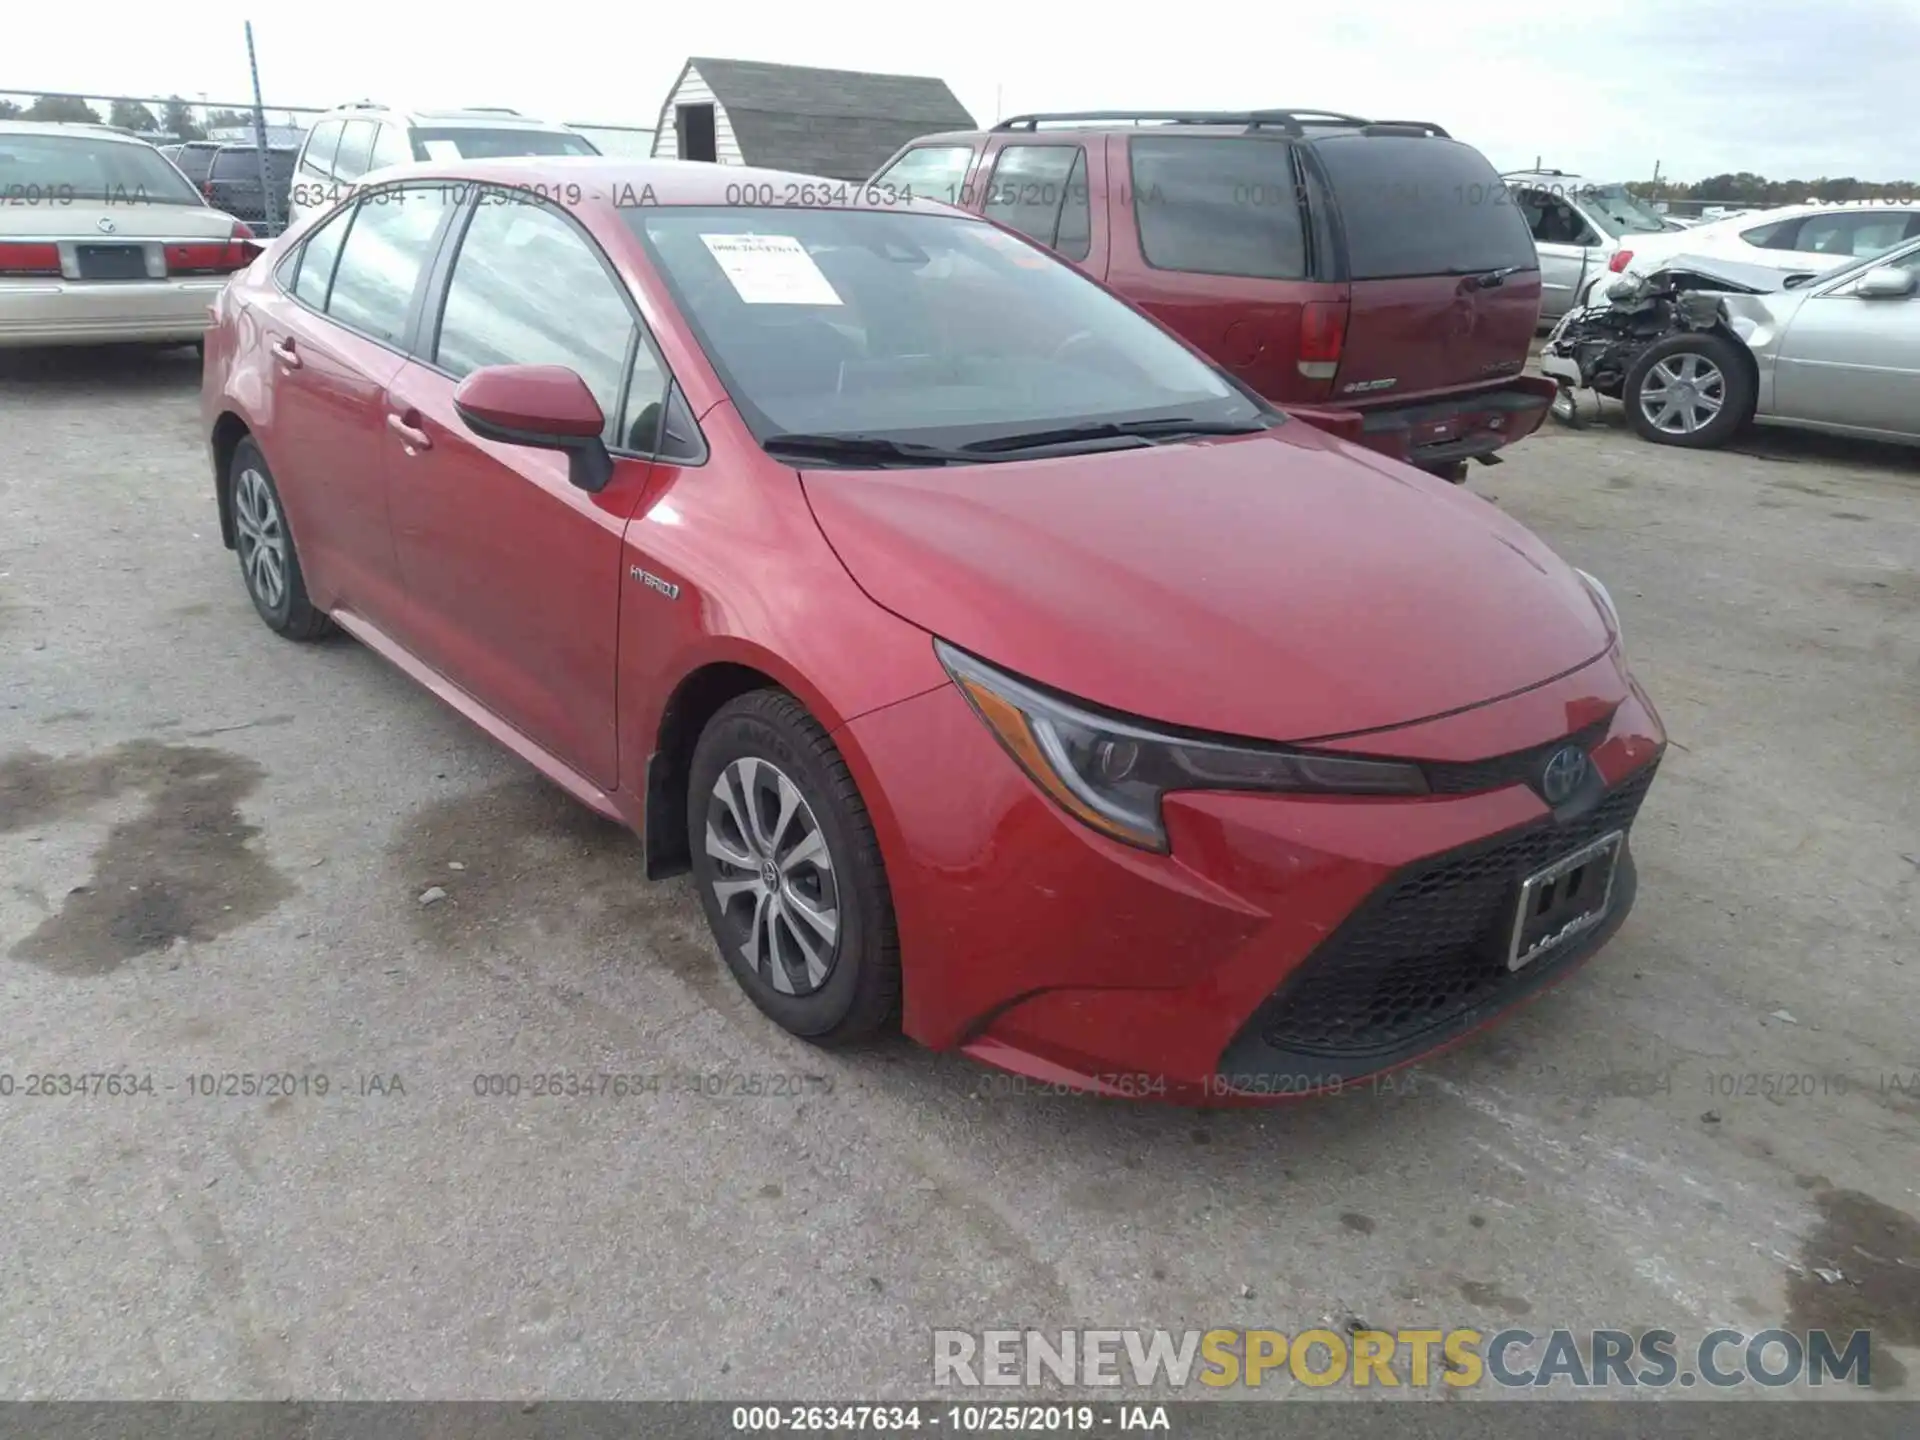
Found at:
<point>269,563</point>
<point>1692,390</point>
<point>789,872</point>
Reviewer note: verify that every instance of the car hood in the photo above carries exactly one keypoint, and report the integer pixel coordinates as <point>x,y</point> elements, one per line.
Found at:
<point>1284,586</point>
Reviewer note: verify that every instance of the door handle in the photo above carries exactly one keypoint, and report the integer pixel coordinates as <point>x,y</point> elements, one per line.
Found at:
<point>415,439</point>
<point>284,352</point>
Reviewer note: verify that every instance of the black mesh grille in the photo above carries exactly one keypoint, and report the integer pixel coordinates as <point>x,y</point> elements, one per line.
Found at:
<point>1431,943</point>
<point>1522,767</point>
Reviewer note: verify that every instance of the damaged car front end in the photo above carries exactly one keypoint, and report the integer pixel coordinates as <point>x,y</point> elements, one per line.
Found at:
<point>1674,346</point>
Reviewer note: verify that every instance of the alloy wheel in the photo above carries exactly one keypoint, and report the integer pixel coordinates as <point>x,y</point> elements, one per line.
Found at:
<point>773,876</point>
<point>1682,394</point>
<point>262,537</point>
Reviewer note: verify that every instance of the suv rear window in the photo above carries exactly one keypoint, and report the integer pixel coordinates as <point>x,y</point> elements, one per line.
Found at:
<point>1218,206</point>
<point>1419,206</point>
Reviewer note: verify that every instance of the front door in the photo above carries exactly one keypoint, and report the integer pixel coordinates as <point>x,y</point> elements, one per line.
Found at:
<point>1568,248</point>
<point>512,574</point>
<point>1850,360</point>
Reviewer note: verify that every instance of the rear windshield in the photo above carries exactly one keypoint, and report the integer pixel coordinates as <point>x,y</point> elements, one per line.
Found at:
<point>914,326</point>
<point>1418,206</point>
<point>245,165</point>
<point>471,143</point>
<point>70,169</point>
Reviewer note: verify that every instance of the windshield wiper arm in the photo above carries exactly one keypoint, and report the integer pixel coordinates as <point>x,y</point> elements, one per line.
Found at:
<point>1116,430</point>
<point>858,449</point>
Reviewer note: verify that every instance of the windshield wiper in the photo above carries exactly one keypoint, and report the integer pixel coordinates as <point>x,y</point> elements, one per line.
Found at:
<point>1143,430</point>
<point>863,449</point>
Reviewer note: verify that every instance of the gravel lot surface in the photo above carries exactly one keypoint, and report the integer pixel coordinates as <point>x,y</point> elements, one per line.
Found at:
<point>213,844</point>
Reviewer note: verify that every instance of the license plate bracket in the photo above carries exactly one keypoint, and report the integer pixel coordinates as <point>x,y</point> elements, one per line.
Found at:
<point>111,262</point>
<point>1564,900</point>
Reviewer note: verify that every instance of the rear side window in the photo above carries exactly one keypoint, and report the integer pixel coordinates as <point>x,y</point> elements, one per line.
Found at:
<point>930,172</point>
<point>529,289</point>
<point>1218,207</point>
<point>470,142</point>
<point>1419,206</point>
<point>356,147</point>
<point>1777,236</point>
<point>315,270</point>
<point>1860,235</point>
<point>387,244</point>
<point>317,159</point>
<point>1041,191</point>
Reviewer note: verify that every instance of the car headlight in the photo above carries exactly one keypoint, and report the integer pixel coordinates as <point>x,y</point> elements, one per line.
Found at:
<point>1601,598</point>
<point>1111,773</point>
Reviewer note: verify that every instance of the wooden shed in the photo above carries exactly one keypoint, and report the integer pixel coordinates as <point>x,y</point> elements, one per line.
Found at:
<point>843,124</point>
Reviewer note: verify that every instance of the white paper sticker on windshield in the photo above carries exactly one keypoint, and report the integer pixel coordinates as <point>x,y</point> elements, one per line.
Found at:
<point>771,270</point>
<point>441,149</point>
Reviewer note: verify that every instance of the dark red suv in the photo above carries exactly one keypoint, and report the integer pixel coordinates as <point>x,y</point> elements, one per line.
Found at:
<point>1373,278</point>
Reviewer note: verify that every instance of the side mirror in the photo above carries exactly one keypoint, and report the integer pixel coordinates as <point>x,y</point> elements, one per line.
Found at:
<point>1889,282</point>
<point>547,407</point>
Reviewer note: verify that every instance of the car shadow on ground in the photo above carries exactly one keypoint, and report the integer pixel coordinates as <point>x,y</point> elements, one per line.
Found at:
<point>1759,442</point>
<point>130,368</point>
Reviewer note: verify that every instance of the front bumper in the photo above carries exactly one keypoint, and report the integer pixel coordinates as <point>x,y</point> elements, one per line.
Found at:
<point>1433,433</point>
<point>69,312</point>
<point>1040,947</point>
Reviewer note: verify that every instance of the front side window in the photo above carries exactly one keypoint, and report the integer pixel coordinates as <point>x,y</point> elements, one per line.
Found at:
<point>387,245</point>
<point>1551,220</point>
<point>935,328</point>
<point>59,170</point>
<point>1213,206</point>
<point>529,289</point>
<point>1041,191</point>
<point>930,172</point>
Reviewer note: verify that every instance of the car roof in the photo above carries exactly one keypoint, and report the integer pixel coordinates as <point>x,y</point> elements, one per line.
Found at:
<point>75,128</point>
<point>495,117</point>
<point>636,182</point>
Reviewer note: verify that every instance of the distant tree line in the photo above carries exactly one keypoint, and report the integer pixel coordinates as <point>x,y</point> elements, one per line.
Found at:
<point>175,118</point>
<point>1757,191</point>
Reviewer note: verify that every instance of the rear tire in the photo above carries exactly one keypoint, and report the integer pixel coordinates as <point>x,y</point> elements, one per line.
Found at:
<point>269,561</point>
<point>789,872</point>
<point>1692,390</point>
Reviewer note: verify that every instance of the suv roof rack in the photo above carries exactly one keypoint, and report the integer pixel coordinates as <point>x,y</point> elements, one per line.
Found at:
<point>360,105</point>
<point>492,110</point>
<point>1293,122</point>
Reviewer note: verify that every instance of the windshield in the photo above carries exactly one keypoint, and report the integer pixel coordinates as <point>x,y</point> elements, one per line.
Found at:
<point>912,327</point>
<point>65,169</point>
<point>1620,212</point>
<point>469,142</point>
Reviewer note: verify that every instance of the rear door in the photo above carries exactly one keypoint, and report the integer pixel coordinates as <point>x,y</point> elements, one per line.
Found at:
<point>1444,278</point>
<point>1209,236</point>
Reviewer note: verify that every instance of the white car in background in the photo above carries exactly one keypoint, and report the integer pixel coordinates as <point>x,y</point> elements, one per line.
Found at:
<point>1577,226</point>
<point>354,140</point>
<point>1811,239</point>
<point>103,240</point>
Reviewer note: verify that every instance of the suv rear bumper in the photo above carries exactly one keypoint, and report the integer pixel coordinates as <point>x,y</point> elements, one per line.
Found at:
<point>1432,433</point>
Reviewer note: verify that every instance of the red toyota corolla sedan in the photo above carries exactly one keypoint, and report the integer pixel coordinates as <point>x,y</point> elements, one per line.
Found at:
<point>998,666</point>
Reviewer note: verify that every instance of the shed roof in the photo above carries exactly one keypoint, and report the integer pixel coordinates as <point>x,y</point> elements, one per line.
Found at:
<point>839,123</point>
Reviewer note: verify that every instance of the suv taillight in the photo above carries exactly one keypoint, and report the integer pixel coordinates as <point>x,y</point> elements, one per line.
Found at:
<point>214,257</point>
<point>1621,259</point>
<point>28,258</point>
<point>1323,330</point>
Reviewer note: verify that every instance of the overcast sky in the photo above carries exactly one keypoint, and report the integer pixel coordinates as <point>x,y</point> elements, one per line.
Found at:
<point>1784,87</point>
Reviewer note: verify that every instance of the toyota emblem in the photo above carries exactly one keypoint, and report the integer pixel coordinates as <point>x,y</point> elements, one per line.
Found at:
<point>1564,771</point>
<point>107,227</point>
